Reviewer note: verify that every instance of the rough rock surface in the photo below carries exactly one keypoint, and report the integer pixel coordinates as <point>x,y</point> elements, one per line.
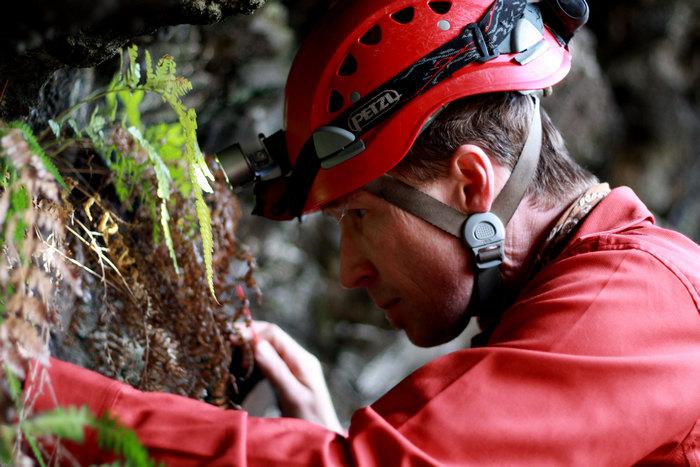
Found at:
<point>42,37</point>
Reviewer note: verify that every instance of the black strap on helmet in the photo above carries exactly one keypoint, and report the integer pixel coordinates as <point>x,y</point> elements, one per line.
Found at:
<point>478,42</point>
<point>483,233</point>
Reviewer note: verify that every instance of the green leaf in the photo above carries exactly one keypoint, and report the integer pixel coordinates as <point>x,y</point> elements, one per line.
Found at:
<point>122,441</point>
<point>204,217</point>
<point>95,128</point>
<point>20,231</point>
<point>164,218</point>
<point>163,177</point>
<point>201,179</point>
<point>66,423</point>
<point>150,75</point>
<point>133,74</point>
<point>74,126</point>
<point>111,96</point>
<point>6,442</point>
<point>162,173</point>
<point>228,182</point>
<point>8,174</point>
<point>15,386</point>
<point>19,200</point>
<point>132,101</point>
<point>55,127</point>
<point>31,440</point>
<point>36,149</point>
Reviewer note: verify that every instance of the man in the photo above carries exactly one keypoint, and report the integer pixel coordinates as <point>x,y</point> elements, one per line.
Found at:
<point>590,353</point>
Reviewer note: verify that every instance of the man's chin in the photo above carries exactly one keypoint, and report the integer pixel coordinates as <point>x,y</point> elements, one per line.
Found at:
<point>434,338</point>
<point>425,341</point>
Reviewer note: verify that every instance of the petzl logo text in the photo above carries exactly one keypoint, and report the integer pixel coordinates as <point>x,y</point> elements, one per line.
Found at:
<point>362,117</point>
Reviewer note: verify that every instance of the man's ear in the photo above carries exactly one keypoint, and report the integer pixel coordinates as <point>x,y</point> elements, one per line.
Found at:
<point>474,183</point>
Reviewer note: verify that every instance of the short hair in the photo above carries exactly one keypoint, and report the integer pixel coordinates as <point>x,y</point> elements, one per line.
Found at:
<point>499,124</point>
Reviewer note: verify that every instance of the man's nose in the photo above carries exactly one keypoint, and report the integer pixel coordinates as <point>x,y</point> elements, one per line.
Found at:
<point>356,270</point>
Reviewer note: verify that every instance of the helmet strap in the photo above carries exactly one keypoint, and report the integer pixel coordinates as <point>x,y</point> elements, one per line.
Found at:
<point>482,233</point>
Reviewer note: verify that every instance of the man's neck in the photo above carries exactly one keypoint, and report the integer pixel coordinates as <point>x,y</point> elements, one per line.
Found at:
<point>525,235</point>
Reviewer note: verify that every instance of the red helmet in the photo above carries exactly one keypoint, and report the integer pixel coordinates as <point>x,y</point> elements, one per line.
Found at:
<point>365,43</point>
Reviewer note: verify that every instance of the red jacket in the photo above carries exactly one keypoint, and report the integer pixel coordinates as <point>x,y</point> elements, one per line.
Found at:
<point>597,363</point>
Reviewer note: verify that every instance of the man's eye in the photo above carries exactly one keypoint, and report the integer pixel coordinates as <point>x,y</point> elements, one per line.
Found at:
<point>358,213</point>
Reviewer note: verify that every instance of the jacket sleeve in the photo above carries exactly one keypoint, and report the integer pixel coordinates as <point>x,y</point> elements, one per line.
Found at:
<point>585,370</point>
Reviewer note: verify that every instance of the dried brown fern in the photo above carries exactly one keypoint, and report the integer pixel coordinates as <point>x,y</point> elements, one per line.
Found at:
<point>151,327</point>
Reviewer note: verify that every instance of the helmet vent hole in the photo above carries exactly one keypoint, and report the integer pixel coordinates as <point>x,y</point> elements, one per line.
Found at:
<point>349,66</point>
<point>404,16</point>
<point>373,36</point>
<point>336,101</point>
<point>440,7</point>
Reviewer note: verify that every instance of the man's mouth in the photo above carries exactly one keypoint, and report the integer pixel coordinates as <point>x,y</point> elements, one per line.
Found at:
<point>388,304</point>
<point>391,312</point>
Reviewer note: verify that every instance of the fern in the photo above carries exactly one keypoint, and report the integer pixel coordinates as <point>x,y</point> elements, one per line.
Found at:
<point>55,127</point>
<point>163,177</point>
<point>6,441</point>
<point>65,423</point>
<point>165,82</point>
<point>36,149</point>
<point>19,199</point>
<point>204,217</point>
<point>168,139</point>
<point>16,394</point>
<point>74,126</point>
<point>133,73</point>
<point>70,423</point>
<point>113,436</point>
<point>128,88</point>
<point>31,440</point>
<point>15,386</point>
<point>131,102</point>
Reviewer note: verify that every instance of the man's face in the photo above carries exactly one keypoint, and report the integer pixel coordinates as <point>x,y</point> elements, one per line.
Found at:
<point>419,275</point>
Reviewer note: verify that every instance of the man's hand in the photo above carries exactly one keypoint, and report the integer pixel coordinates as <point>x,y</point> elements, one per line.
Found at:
<point>296,376</point>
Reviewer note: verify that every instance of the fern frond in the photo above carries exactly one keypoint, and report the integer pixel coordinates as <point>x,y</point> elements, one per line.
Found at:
<point>66,423</point>
<point>70,423</point>
<point>15,386</point>
<point>199,173</point>
<point>31,440</point>
<point>36,149</point>
<point>204,217</point>
<point>133,73</point>
<point>132,101</point>
<point>95,128</point>
<point>74,126</point>
<point>163,177</point>
<point>6,442</point>
<point>113,436</point>
<point>111,97</point>
<point>150,74</point>
<point>55,127</point>
<point>19,200</point>
<point>164,218</point>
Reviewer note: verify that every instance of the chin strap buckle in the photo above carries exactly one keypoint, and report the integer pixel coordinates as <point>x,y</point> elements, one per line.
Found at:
<point>484,233</point>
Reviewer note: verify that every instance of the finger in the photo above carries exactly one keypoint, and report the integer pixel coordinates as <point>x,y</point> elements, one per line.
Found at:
<point>276,370</point>
<point>301,362</point>
<point>240,334</point>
